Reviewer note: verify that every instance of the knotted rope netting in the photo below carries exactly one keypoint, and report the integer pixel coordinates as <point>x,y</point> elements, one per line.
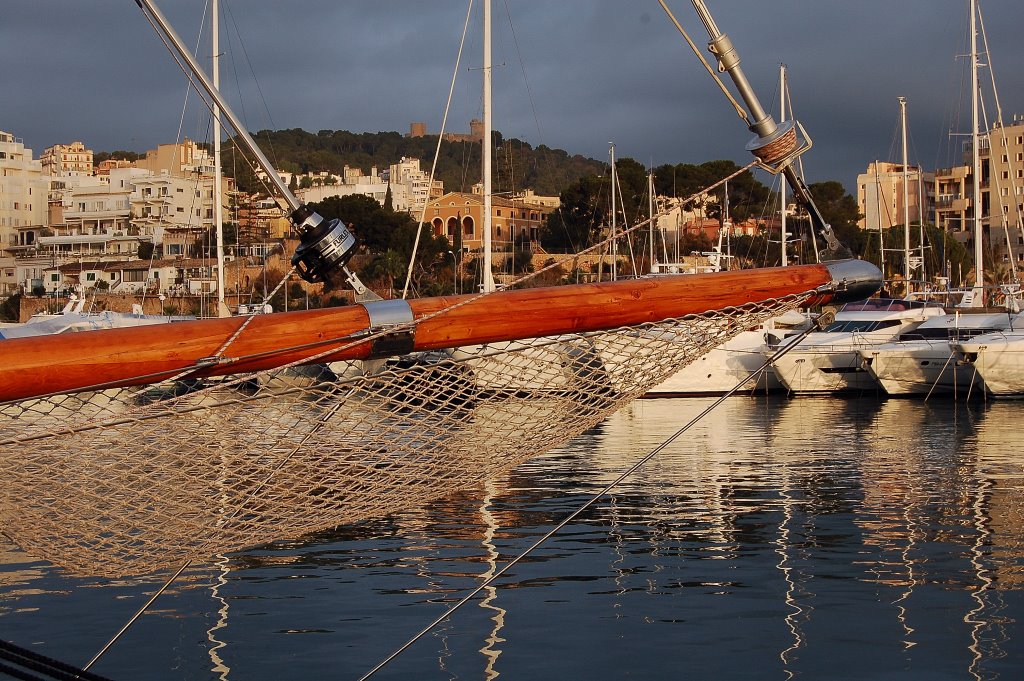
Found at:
<point>132,480</point>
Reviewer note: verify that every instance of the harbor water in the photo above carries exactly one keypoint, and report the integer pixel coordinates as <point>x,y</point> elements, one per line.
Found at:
<point>814,538</point>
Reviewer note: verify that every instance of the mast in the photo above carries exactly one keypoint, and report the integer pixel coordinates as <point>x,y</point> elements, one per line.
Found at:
<point>614,250</point>
<point>650,207</point>
<point>727,224</point>
<point>485,146</point>
<point>218,199</point>
<point>979,278</point>
<point>782,185</point>
<point>920,215</point>
<point>906,205</point>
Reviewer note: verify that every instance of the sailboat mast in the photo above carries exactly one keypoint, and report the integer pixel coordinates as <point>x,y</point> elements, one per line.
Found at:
<point>485,146</point>
<point>650,207</point>
<point>727,224</point>
<point>906,205</point>
<point>979,278</point>
<point>218,208</point>
<point>782,185</point>
<point>614,250</point>
<point>920,222</point>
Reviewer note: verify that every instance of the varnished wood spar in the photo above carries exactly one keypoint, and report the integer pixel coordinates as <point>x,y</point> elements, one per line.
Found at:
<point>65,363</point>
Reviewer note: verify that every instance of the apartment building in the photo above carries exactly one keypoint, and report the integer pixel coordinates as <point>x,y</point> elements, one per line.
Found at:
<point>23,192</point>
<point>952,208</point>
<point>410,186</point>
<point>175,210</point>
<point>179,159</point>
<point>1002,189</point>
<point>90,216</point>
<point>175,202</point>
<point>67,160</point>
<point>881,194</point>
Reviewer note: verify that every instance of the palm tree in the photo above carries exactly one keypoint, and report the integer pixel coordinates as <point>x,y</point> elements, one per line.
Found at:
<point>385,267</point>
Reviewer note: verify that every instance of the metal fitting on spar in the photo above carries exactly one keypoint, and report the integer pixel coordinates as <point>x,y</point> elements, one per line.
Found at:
<point>325,245</point>
<point>852,280</point>
<point>392,327</point>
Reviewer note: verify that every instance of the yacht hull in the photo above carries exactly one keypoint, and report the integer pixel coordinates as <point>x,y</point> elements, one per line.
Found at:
<point>921,368</point>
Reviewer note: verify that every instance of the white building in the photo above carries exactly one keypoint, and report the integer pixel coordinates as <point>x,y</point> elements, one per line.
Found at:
<point>23,191</point>
<point>880,194</point>
<point>410,186</point>
<point>174,210</point>
<point>353,183</point>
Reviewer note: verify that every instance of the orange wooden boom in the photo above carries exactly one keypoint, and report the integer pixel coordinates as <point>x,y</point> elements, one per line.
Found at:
<point>36,366</point>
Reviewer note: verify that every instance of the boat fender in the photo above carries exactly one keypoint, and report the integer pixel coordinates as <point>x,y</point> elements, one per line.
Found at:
<point>395,319</point>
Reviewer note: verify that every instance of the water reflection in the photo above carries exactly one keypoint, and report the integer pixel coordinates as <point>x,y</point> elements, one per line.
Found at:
<point>813,538</point>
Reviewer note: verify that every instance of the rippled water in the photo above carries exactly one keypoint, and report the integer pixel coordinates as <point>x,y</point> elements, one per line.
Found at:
<point>778,538</point>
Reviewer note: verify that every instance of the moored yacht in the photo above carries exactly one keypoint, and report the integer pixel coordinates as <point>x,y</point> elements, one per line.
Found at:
<point>924,360</point>
<point>726,365</point>
<point>829,360</point>
<point>998,358</point>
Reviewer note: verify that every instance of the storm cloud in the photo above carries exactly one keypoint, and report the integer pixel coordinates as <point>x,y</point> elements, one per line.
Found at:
<point>575,74</point>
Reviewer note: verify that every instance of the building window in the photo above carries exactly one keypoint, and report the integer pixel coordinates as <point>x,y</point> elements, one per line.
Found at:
<point>90,276</point>
<point>55,277</point>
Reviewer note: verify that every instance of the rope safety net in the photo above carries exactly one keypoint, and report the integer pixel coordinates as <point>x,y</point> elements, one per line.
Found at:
<point>131,480</point>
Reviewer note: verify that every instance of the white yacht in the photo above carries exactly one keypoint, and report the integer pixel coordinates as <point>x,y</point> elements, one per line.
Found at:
<point>924,361</point>
<point>73,319</point>
<point>829,360</point>
<point>998,358</point>
<point>722,369</point>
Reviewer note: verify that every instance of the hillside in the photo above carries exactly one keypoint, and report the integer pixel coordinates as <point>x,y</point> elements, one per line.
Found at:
<point>517,164</point>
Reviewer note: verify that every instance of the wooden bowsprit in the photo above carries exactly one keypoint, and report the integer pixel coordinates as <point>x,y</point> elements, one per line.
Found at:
<point>135,356</point>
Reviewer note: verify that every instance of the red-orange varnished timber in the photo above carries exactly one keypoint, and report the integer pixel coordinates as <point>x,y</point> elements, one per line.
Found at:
<point>65,363</point>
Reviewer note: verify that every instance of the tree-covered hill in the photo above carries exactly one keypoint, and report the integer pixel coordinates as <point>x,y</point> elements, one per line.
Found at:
<point>517,164</point>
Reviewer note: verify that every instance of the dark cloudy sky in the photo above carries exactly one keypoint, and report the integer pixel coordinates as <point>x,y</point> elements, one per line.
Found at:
<point>572,74</point>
